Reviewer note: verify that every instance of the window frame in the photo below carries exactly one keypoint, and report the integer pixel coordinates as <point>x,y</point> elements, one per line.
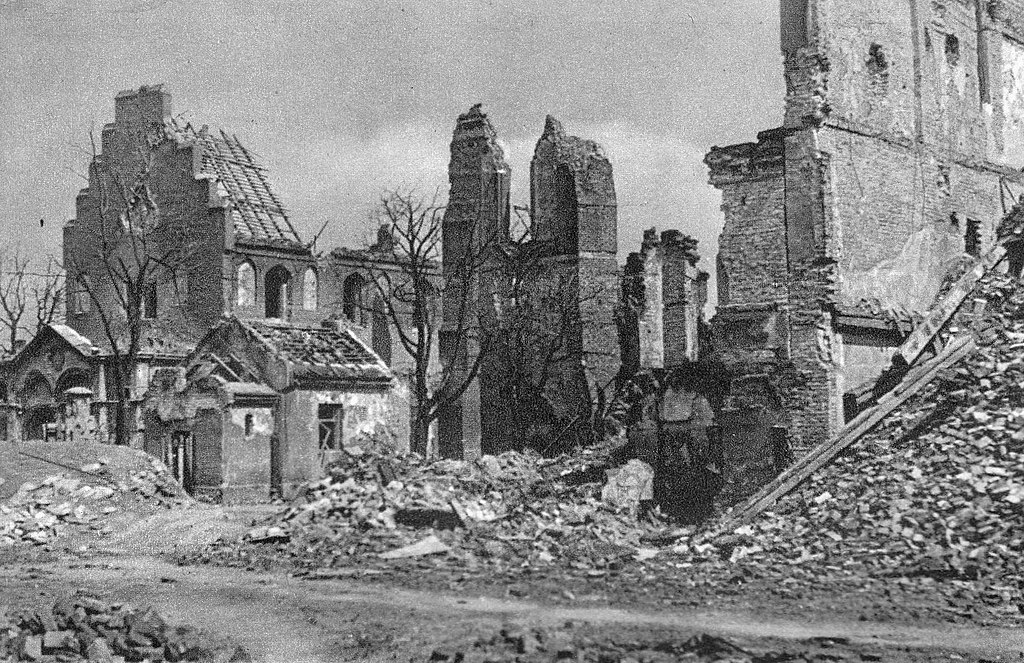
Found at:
<point>331,422</point>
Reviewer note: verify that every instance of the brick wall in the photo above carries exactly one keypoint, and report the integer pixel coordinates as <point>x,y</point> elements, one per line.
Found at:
<point>752,261</point>
<point>475,225</point>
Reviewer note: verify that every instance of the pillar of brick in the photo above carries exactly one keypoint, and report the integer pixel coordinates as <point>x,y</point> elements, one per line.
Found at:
<point>575,226</point>
<point>76,422</point>
<point>475,225</point>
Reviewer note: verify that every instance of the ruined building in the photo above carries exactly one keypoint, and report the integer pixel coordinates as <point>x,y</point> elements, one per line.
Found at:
<point>900,152</point>
<point>247,374</point>
<point>548,334</point>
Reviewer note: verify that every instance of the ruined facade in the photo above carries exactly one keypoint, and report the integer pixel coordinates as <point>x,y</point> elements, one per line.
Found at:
<point>234,249</point>
<point>900,151</point>
<point>534,316</point>
<point>475,229</point>
<point>227,248</point>
<point>664,294</point>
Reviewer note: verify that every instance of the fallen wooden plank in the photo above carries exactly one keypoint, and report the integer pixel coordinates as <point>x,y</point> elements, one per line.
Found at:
<point>945,308</point>
<point>815,459</point>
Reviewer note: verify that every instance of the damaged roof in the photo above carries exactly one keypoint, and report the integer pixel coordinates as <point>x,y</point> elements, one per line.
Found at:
<point>320,353</point>
<point>256,211</point>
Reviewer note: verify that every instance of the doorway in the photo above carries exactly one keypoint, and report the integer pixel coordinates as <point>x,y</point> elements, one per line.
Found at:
<point>178,458</point>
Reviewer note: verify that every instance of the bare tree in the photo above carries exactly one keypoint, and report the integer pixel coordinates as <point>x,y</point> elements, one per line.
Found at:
<point>410,291</point>
<point>129,247</point>
<point>539,313</point>
<point>498,303</point>
<point>29,299</point>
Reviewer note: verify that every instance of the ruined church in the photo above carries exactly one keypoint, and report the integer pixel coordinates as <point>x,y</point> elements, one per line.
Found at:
<point>899,153</point>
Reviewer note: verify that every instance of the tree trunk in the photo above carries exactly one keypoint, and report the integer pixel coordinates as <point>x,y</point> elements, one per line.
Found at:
<point>420,435</point>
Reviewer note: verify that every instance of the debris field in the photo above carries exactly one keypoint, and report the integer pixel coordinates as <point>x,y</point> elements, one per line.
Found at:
<point>83,627</point>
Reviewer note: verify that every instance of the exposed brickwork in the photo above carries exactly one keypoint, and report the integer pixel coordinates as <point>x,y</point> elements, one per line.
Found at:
<point>892,162</point>
<point>752,249</point>
<point>219,202</point>
<point>669,294</point>
<point>575,219</point>
<point>475,225</point>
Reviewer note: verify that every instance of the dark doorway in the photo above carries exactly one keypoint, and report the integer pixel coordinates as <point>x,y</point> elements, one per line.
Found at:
<point>277,293</point>
<point>352,299</point>
<point>38,422</point>
<point>178,458</point>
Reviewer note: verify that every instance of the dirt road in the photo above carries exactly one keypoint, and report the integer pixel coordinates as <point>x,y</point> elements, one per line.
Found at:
<point>285,619</point>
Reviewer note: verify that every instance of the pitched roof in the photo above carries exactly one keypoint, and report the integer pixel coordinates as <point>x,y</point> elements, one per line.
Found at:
<point>256,211</point>
<point>320,353</point>
<point>76,340</point>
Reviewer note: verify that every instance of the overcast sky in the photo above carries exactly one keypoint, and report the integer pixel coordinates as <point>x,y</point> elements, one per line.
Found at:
<point>342,99</point>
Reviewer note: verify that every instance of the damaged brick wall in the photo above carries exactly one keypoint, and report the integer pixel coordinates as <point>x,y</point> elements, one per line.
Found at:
<point>476,224</point>
<point>575,222</point>
<point>199,214</point>
<point>664,294</point>
<point>896,152</point>
<point>179,194</point>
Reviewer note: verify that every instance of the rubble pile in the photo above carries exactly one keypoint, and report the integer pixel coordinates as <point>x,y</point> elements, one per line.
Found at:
<point>38,513</point>
<point>503,509</point>
<point>934,496</point>
<point>572,642</point>
<point>86,628</point>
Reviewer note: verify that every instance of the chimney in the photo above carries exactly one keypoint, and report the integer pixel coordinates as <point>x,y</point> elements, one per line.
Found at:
<point>142,108</point>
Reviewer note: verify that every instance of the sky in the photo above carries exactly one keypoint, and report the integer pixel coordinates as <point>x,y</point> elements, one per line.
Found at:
<point>342,100</point>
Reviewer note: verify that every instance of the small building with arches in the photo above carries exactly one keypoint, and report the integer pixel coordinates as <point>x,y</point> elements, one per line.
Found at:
<point>47,384</point>
<point>261,406</point>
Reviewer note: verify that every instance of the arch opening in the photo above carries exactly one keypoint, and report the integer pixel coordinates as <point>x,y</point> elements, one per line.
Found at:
<point>277,292</point>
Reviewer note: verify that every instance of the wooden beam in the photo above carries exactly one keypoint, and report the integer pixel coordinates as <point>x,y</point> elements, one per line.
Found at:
<point>913,382</point>
<point>945,308</point>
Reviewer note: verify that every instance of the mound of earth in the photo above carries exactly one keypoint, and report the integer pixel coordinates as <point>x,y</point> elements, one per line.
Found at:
<point>55,498</point>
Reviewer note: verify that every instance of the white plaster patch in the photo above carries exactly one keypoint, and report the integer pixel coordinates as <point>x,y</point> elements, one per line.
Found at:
<point>1013,103</point>
<point>910,280</point>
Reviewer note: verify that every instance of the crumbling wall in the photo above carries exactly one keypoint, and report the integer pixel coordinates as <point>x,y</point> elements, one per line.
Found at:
<point>890,166</point>
<point>185,202</point>
<point>752,262</point>
<point>575,223</point>
<point>664,294</point>
<point>1012,76</point>
<point>475,226</point>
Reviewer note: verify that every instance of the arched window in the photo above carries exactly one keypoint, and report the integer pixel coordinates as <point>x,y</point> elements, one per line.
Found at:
<point>81,301</point>
<point>37,398</point>
<point>309,290</point>
<point>73,377</point>
<point>277,292</point>
<point>352,303</point>
<point>245,284</point>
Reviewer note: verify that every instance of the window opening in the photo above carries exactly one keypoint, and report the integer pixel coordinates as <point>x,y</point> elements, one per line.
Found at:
<point>245,280</point>
<point>972,238</point>
<point>352,299</point>
<point>952,50</point>
<point>331,418</point>
<point>277,292</point>
<point>149,300</point>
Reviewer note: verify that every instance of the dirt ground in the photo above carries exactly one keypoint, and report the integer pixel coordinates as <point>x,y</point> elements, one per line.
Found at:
<point>279,617</point>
